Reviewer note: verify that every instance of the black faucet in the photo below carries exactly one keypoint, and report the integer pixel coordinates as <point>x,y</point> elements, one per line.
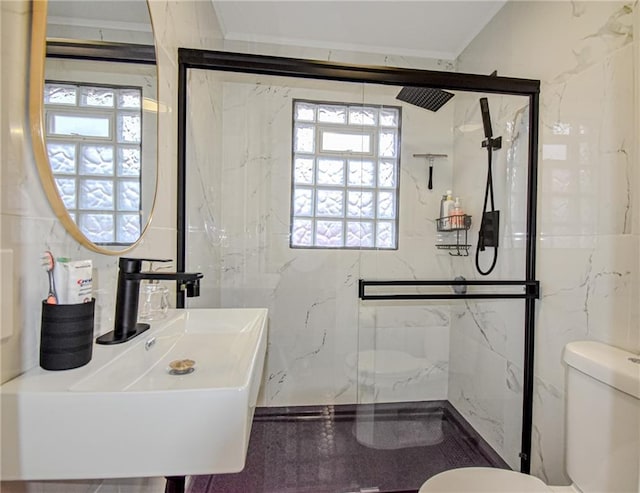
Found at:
<point>128,295</point>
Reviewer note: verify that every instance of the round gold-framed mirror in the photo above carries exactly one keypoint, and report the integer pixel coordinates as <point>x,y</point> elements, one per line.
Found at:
<point>93,118</point>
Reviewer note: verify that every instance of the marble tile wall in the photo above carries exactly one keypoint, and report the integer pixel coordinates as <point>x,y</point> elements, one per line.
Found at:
<point>28,225</point>
<point>588,189</point>
<point>238,203</point>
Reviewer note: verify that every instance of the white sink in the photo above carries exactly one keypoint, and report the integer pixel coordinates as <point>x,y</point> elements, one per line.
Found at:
<point>125,415</point>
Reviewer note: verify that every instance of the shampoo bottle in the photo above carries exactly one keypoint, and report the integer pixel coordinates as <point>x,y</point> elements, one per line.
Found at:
<point>442,201</point>
<point>447,211</point>
<point>457,215</point>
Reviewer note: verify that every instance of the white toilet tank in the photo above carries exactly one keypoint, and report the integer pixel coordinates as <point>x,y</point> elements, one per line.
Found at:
<point>603,418</point>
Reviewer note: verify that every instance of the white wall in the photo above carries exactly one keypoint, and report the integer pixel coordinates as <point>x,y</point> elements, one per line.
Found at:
<point>28,225</point>
<point>588,185</point>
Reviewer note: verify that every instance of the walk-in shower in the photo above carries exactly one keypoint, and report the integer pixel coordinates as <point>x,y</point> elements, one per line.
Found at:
<point>296,177</point>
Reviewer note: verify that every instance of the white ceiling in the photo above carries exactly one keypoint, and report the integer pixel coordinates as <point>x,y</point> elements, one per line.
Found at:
<point>129,15</point>
<point>424,28</point>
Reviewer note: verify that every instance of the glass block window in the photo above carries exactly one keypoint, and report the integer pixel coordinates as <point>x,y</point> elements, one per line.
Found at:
<point>94,142</point>
<point>345,175</point>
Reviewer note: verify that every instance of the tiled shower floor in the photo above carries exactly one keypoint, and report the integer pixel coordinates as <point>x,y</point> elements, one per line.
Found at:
<point>315,449</point>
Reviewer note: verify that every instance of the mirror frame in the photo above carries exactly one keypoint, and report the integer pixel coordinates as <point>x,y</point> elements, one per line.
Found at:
<point>71,49</point>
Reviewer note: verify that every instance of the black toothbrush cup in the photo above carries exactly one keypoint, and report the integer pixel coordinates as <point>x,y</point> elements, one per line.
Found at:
<point>66,335</point>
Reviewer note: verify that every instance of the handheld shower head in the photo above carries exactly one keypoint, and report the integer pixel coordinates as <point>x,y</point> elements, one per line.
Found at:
<point>486,118</point>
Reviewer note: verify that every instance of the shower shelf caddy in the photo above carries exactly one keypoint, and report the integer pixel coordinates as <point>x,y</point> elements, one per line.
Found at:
<point>458,232</point>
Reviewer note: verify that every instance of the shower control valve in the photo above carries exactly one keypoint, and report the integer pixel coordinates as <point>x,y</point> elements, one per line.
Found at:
<point>494,143</point>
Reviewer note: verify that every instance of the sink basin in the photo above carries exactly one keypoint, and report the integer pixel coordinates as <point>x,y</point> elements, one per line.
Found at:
<point>126,415</point>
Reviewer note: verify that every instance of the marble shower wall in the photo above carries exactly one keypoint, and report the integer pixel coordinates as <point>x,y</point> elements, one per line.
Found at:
<point>312,295</point>
<point>588,251</point>
<point>239,179</point>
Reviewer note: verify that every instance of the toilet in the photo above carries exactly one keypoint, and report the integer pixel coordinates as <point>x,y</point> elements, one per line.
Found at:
<point>603,431</point>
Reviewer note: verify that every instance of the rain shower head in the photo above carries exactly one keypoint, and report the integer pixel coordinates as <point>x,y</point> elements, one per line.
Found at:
<point>424,97</point>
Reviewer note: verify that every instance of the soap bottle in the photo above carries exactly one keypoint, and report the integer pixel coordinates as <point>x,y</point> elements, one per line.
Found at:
<point>447,210</point>
<point>442,201</point>
<point>457,215</point>
<point>440,220</point>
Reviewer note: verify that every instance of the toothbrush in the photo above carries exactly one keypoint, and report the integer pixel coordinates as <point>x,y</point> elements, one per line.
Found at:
<point>48,264</point>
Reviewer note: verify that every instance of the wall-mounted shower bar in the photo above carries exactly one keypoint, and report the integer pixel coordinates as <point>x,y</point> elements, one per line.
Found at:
<point>531,290</point>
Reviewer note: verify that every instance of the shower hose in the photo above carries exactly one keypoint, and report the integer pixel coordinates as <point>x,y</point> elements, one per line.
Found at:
<point>488,194</point>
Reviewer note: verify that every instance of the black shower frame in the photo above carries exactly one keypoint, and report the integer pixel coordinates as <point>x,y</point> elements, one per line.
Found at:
<point>101,51</point>
<point>316,69</point>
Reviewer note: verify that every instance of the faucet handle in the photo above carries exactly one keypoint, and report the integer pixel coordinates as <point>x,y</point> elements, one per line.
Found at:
<point>130,265</point>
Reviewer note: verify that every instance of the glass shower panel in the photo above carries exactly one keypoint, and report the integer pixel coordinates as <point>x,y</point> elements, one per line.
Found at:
<point>403,350</point>
<point>487,337</point>
<point>258,189</point>
<point>510,120</point>
<point>387,382</point>
<point>437,372</point>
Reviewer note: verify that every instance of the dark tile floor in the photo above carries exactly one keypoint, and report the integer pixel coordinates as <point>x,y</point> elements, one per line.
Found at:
<point>344,449</point>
